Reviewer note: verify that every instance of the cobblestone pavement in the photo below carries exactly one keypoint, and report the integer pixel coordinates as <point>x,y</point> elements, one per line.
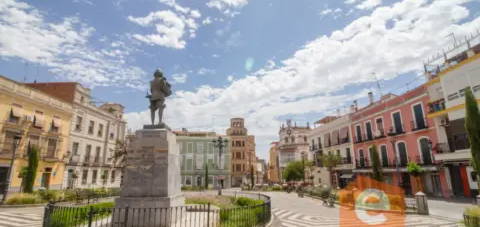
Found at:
<point>25,217</point>
<point>289,210</point>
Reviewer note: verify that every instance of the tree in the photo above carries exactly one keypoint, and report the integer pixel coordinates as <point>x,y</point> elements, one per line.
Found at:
<point>330,161</point>
<point>206,176</point>
<point>472,126</point>
<point>252,177</point>
<point>376,167</point>
<point>416,170</point>
<point>294,171</point>
<point>31,171</point>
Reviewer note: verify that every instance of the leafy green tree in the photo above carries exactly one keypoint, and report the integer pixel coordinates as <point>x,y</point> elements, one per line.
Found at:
<point>330,161</point>
<point>472,126</point>
<point>294,171</point>
<point>206,176</point>
<point>416,171</point>
<point>31,171</point>
<point>376,167</point>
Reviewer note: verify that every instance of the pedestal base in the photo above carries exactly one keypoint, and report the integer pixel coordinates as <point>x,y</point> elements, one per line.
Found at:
<point>150,202</point>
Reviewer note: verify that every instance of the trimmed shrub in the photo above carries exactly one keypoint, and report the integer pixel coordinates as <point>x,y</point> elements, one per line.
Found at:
<point>50,195</point>
<point>24,198</point>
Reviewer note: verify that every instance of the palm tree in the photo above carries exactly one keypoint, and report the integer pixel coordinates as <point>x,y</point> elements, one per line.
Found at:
<point>330,161</point>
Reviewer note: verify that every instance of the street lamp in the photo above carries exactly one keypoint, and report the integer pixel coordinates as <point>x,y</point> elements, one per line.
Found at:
<point>220,143</point>
<point>16,142</point>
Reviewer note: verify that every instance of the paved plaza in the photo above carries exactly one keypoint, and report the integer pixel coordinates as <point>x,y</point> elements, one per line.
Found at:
<point>289,210</point>
<point>25,217</point>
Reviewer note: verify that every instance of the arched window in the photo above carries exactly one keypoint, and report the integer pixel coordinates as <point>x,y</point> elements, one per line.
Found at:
<point>425,150</point>
<point>402,154</point>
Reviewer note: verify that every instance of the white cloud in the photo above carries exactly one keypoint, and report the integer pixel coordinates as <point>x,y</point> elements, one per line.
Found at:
<point>313,79</point>
<point>350,1</point>
<point>369,4</point>
<point>335,12</point>
<point>227,7</point>
<point>179,78</point>
<point>230,78</point>
<point>171,27</point>
<point>63,47</point>
<point>207,21</point>
<point>204,71</point>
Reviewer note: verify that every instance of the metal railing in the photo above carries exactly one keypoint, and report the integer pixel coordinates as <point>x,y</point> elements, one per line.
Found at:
<point>204,215</point>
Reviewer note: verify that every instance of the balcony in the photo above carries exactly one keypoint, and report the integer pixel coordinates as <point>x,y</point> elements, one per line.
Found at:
<point>51,156</point>
<point>74,159</point>
<point>394,131</point>
<point>441,148</point>
<point>419,125</point>
<point>362,164</point>
<point>380,133</point>
<point>344,140</point>
<point>459,142</point>
<point>436,106</point>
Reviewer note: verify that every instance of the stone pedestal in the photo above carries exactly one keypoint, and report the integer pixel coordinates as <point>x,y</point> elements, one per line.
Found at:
<point>152,174</point>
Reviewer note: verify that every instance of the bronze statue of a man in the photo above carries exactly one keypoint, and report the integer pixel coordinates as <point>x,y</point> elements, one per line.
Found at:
<point>159,89</point>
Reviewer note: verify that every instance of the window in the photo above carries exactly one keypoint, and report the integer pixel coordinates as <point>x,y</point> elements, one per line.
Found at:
<point>402,153</point>
<point>112,179</point>
<point>419,122</point>
<point>51,148</point>
<point>75,147</point>
<point>397,122</point>
<point>362,158</point>
<point>238,167</point>
<point>78,125</point>
<point>189,164</point>
<point>383,153</point>
<point>358,131</point>
<point>54,125</point>
<point>199,162</point>
<point>425,145</point>
<point>38,119</point>
<point>112,136</point>
<point>84,176</point>
<point>188,180</point>
<point>105,177</point>
<point>286,139</point>
<point>379,124</point>
<point>97,154</point>
<point>349,156</point>
<point>14,116</point>
<point>94,177</point>
<point>91,127</point>
<point>100,130</point>
<point>304,139</point>
<point>368,127</point>
<point>88,151</point>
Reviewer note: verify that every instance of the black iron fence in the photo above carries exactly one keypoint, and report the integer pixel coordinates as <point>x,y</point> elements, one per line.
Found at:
<point>204,215</point>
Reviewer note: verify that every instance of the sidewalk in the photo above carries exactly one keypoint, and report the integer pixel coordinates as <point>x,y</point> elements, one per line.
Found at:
<point>448,209</point>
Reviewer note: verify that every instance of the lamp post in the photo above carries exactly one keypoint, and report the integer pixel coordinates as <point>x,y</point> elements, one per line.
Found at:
<point>16,142</point>
<point>220,143</point>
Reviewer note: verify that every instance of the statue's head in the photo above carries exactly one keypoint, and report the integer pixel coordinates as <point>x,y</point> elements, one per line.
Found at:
<point>158,74</point>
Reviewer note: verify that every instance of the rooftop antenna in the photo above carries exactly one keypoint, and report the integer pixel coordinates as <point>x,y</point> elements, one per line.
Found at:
<point>379,86</point>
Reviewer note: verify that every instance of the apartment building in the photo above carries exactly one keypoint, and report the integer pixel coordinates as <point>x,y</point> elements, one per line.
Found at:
<point>397,126</point>
<point>448,76</point>
<point>30,117</point>
<point>243,157</point>
<point>331,135</point>
<point>94,134</point>
<point>197,153</point>
<point>293,144</point>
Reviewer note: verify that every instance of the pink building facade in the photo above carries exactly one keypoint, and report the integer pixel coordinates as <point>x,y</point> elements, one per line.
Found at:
<point>398,126</point>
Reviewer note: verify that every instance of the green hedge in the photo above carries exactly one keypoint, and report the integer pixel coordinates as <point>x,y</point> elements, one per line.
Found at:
<point>65,216</point>
<point>24,198</point>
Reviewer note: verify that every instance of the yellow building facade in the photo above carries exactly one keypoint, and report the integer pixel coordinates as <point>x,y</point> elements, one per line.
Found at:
<point>36,119</point>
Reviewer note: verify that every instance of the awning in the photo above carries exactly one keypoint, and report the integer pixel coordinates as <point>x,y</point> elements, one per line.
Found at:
<point>16,111</point>
<point>346,175</point>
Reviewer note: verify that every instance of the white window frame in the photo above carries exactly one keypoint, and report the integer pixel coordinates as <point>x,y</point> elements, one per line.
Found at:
<point>397,151</point>
<point>393,121</point>
<point>371,127</point>
<point>419,147</point>
<point>413,113</point>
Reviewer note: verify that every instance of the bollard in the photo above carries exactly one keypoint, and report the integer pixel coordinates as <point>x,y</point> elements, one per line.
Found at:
<point>422,203</point>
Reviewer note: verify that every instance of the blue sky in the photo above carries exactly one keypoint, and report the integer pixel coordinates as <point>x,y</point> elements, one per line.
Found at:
<point>264,60</point>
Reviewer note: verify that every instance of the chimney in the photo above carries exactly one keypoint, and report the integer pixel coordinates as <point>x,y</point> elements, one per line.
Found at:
<point>370,97</point>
